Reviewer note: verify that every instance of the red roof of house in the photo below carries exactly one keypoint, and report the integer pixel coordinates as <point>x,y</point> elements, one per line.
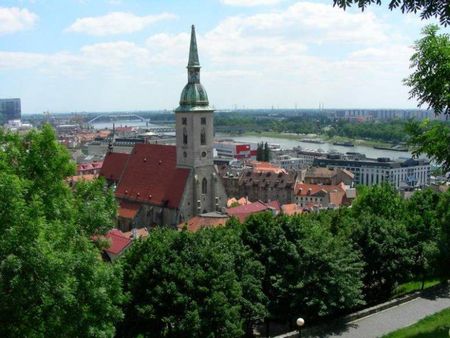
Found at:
<point>113,165</point>
<point>151,175</point>
<point>118,240</point>
<point>336,193</point>
<point>203,221</point>
<point>304,189</point>
<point>128,209</point>
<point>243,211</point>
<point>89,166</point>
<point>291,209</point>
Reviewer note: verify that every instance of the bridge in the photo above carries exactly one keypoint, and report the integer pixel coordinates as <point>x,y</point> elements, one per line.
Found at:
<point>160,129</point>
<point>117,117</point>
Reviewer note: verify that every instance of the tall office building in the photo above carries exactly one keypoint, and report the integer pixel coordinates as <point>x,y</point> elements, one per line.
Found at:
<point>10,110</point>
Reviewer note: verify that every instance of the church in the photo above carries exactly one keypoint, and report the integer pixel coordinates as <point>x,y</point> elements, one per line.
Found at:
<point>166,184</point>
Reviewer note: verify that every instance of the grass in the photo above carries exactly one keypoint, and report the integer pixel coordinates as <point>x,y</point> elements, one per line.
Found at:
<point>412,286</point>
<point>434,326</point>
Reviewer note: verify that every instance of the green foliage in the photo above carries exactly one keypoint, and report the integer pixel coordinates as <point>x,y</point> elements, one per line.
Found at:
<point>181,284</point>
<point>381,200</point>
<point>386,252</point>
<point>427,8</point>
<point>430,81</point>
<point>424,230</point>
<point>415,285</point>
<point>96,207</point>
<point>307,270</point>
<point>52,279</point>
<point>392,131</point>
<point>432,139</point>
<point>263,152</point>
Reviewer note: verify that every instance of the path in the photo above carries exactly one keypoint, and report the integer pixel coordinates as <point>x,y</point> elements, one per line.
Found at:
<point>397,317</point>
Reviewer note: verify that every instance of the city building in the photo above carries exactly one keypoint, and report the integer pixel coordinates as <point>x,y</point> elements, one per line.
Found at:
<point>288,162</point>
<point>259,181</point>
<point>328,176</point>
<point>10,109</point>
<point>235,150</point>
<point>165,184</point>
<point>411,173</point>
<point>319,196</point>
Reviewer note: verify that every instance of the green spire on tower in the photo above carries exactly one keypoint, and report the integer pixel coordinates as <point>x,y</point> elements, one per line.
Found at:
<point>193,52</point>
<point>193,97</point>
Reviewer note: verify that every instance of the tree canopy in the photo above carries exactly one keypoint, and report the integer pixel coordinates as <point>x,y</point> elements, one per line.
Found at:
<point>430,81</point>
<point>52,279</point>
<point>427,8</point>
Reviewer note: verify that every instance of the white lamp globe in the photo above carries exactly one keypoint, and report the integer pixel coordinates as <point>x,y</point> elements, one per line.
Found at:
<point>300,322</point>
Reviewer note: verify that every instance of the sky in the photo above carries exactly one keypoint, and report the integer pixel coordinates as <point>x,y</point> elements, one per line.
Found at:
<point>130,55</point>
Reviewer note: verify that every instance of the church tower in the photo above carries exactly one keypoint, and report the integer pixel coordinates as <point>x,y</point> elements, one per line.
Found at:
<point>194,139</point>
<point>194,118</point>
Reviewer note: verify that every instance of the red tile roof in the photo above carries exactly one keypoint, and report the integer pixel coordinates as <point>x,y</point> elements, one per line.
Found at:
<point>203,221</point>
<point>128,209</point>
<point>243,211</point>
<point>151,175</point>
<point>336,193</point>
<point>266,167</point>
<point>89,166</point>
<point>118,240</point>
<point>291,209</point>
<point>304,189</point>
<point>113,166</point>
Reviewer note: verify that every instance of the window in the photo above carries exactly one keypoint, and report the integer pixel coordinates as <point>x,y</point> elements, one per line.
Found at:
<point>184,121</point>
<point>203,137</point>
<point>203,120</point>
<point>204,186</point>
<point>184,136</point>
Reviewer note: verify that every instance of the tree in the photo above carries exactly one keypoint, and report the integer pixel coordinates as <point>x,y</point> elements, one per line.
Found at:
<point>430,84</point>
<point>52,279</point>
<point>381,200</point>
<point>424,228</point>
<point>96,207</point>
<point>385,249</point>
<point>431,138</point>
<point>266,152</point>
<point>260,152</point>
<point>307,269</point>
<point>182,284</point>
<point>430,81</point>
<point>428,8</point>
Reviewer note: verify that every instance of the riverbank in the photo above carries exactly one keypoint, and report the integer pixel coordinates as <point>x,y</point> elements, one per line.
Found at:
<point>323,137</point>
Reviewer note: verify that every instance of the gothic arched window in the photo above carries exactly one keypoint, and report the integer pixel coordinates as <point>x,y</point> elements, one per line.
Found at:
<point>203,137</point>
<point>204,186</point>
<point>184,136</point>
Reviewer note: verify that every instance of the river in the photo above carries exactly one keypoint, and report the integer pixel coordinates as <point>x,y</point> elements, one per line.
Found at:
<point>326,147</point>
<point>284,143</point>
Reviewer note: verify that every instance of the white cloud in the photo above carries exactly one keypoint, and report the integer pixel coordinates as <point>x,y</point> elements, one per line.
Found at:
<point>116,23</point>
<point>15,19</point>
<point>304,54</point>
<point>250,3</point>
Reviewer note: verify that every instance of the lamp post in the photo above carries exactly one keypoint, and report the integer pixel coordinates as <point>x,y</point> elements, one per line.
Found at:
<point>300,322</point>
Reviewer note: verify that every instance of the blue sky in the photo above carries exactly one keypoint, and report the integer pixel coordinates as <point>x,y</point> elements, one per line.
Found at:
<point>108,55</point>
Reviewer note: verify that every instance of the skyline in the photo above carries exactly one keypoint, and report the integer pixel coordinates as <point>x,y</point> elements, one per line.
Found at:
<point>115,56</point>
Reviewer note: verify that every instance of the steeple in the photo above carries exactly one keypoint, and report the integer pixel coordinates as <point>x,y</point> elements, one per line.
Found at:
<point>193,52</point>
<point>193,96</point>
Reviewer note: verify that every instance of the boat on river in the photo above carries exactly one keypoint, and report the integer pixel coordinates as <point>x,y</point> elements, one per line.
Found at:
<point>311,140</point>
<point>344,144</point>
